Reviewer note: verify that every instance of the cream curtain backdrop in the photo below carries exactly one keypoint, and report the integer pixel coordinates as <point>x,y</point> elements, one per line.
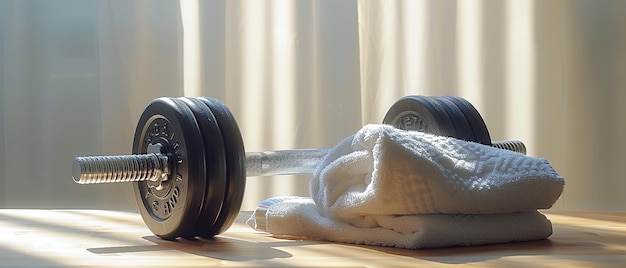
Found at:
<point>76,75</point>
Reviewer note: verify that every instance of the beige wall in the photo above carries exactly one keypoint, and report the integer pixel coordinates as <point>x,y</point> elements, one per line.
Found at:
<point>595,82</point>
<point>75,76</point>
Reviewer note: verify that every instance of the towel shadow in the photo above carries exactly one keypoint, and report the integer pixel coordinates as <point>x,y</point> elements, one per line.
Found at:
<point>465,255</point>
<point>475,254</point>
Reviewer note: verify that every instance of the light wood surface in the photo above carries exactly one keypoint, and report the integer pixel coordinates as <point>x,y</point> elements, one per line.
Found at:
<point>111,238</point>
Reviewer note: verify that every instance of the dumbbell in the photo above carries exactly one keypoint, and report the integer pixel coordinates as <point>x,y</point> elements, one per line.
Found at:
<point>188,166</point>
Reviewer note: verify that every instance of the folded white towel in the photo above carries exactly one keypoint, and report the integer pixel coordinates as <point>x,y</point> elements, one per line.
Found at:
<point>385,170</point>
<point>299,217</point>
<point>385,186</point>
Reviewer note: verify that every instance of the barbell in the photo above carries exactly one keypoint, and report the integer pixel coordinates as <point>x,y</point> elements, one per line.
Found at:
<point>189,166</point>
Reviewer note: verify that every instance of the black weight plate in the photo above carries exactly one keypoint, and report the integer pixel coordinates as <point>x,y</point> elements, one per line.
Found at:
<point>215,164</point>
<point>170,211</point>
<point>418,113</point>
<point>481,133</point>
<point>463,129</point>
<point>440,109</point>
<point>235,167</point>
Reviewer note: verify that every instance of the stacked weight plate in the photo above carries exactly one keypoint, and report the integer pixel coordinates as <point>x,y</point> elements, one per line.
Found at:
<point>204,190</point>
<point>450,116</point>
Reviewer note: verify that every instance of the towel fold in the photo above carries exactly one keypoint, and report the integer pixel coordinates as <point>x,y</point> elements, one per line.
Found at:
<point>385,186</point>
<point>299,217</point>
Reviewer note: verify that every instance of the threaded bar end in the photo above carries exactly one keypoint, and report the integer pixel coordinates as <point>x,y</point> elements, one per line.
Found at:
<point>118,168</point>
<point>511,145</point>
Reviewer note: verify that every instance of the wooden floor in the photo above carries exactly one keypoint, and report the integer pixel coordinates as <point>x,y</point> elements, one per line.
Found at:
<point>110,238</point>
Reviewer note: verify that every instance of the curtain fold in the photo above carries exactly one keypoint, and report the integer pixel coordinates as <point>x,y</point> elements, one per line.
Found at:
<point>289,72</point>
<point>76,75</point>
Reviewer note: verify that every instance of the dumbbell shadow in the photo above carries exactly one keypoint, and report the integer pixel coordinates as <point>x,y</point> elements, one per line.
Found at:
<point>223,248</point>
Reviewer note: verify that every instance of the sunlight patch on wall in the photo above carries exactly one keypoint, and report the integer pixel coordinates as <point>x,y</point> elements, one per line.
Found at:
<point>192,55</point>
<point>415,38</point>
<point>283,83</point>
<point>253,75</point>
<point>469,50</point>
<point>520,82</point>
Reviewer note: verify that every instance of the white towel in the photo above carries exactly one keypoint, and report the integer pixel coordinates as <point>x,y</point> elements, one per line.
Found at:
<point>299,217</point>
<point>383,180</point>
